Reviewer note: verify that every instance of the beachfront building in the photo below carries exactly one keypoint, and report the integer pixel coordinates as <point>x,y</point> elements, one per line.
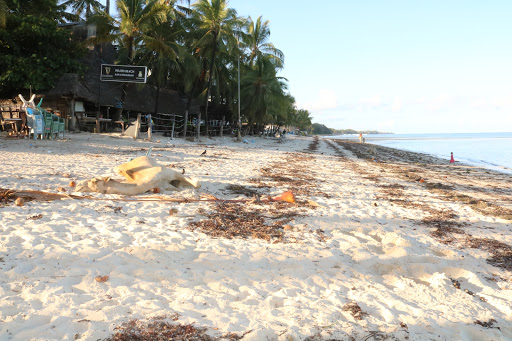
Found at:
<point>90,104</point>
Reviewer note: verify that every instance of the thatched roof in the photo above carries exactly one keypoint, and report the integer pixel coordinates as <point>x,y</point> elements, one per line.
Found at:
<point>139,97</point>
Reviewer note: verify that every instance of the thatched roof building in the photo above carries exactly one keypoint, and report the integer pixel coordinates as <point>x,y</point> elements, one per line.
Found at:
<point>90,90</point>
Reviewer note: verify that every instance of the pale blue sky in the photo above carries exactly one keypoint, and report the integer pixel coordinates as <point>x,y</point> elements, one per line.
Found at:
<point>405,66</point>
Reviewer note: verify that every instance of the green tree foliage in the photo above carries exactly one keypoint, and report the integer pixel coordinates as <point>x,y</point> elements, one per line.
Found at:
<point>34,52</point>
<point>302,120</point>
<point>259,45</point>
<point>199,50</point>
<point>320,129</point>
<point>84,8</point>
<point>3,13</point>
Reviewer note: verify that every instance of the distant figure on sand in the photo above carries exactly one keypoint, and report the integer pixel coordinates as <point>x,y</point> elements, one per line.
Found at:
<point>452,160</point>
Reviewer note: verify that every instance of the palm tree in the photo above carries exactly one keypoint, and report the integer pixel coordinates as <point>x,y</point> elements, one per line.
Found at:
<point>257,41</point>
<point>217,21</point>
<point>160,49</point>
<point>80,6</point>
<point>262,91</point>
<point>135,20</point>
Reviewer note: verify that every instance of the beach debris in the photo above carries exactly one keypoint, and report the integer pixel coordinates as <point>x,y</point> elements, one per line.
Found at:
<point>72,183</point>
<point>312,203</point>
<point>101,279</point>
<point>61,189</point>
<point>421,180</point>
<point>159,328</point>
<point>35,217</point>
<point>143,174</point>
<point>156,190</point>
<point>488,324</point>
<point>173,211</point>
<point>456,283</point>
<point>148,154</point>
<point>286,196</point>
<point>239,220</point>
<point>66,175</point>
<point>355,310</point>
<point>287,227</point>
<point>19,202</point>
<point>203,153</point>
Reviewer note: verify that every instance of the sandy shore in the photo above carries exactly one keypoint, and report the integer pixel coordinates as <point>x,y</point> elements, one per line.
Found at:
<point>381,244</point>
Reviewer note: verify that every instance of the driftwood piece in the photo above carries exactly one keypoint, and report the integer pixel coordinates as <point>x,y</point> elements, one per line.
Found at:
<point>28,195</point>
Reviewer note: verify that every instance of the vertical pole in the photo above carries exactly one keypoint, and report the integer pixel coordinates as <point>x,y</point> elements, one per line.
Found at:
<point>98,128</point>
<point>198,125</point>
<point>185,124</point>
<point>239,136</point>
<point>222,126</point>
<point>71,124</point>
<point>137,127</point>
<point>173,124</point>
<point>150,127</point>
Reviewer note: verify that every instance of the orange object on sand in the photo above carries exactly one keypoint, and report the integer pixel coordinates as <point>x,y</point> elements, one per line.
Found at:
<point>421,180</point>
<point>286,196</point>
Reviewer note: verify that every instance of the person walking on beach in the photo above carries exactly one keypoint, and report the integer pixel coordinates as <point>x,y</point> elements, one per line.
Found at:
<point>360,138</point>
<point>452,160</point>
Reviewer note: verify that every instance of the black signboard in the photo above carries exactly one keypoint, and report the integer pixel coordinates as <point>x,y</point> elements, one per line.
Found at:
<point>123,73</point>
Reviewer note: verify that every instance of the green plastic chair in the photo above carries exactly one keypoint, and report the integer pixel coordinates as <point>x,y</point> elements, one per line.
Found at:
<point>54,125</point>
<point>58,127</point>
<point>48,124</point>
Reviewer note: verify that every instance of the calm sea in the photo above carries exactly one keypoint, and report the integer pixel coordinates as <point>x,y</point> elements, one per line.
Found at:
<point>488,150</point>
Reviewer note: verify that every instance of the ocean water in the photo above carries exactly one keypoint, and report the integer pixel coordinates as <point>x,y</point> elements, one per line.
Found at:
<point>487,150</point>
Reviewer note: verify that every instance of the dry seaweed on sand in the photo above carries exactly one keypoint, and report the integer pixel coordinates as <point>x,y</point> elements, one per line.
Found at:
<point>238,220</point>
<point>355,310</point>
<point>160,330</point>
<point>487,324</point>
<point>233,220</point>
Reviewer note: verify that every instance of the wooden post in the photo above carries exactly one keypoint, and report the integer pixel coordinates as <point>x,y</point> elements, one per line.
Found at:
<point>198,126</point>
<point>137,126</point>
<point>185,124</point>
<point>173,124</point>
<point>72,122</point>
<point>150,127</point>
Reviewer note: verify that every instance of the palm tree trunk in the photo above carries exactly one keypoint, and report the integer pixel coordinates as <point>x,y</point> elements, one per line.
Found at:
<point>185,125</point>
<point>156,99</point>
<point>210,80</point>
<point>119,112</point>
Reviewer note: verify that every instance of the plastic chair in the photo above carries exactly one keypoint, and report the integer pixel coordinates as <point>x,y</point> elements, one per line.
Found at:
<point>48,124</point>
<point>34,123</point>
<point>58,126</point>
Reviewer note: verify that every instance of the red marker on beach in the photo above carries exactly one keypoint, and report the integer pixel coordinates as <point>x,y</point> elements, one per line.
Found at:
<point>452,160</point>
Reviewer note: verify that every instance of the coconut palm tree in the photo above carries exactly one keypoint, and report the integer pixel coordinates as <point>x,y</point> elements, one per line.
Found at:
<point>257,41</point>
<point>217,23</point>
<point>262,91</point>
<point>136,17</point>
<point>160,49</point>
<point>89,7</point>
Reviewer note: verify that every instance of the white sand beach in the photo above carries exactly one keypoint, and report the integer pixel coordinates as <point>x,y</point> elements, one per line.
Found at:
<point>401,247</point>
